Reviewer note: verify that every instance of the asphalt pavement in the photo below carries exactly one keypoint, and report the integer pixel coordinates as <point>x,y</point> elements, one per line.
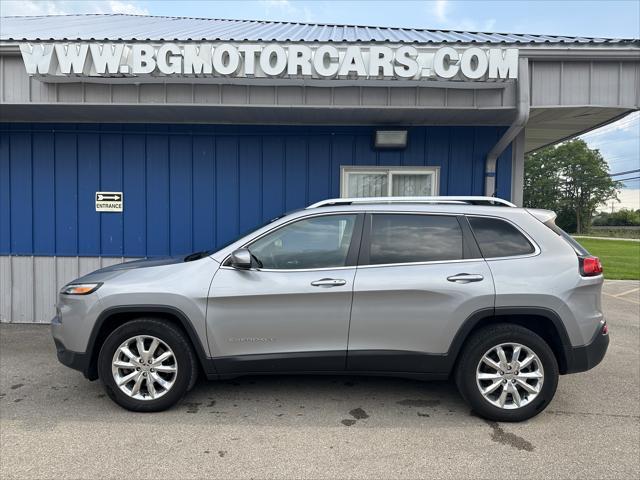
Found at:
<point>56,424</point>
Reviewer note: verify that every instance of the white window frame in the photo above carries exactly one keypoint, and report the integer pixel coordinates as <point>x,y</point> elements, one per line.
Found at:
<point>345,170</point>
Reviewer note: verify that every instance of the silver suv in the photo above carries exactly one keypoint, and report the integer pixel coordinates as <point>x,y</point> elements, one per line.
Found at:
<point>473,288</point>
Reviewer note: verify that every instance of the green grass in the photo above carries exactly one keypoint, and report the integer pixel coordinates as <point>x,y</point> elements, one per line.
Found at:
<point>614,232</point>
<point>620,259</point>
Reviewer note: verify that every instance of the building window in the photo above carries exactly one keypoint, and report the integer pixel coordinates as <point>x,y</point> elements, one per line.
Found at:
<point>389,182</point>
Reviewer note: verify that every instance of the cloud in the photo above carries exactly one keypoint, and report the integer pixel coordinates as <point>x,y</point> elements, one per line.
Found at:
<point>440,10</point>
<point>619,144</point>
<point>630,123</point>
<point>288,10</point>
<point>473,26</point>
<point>129,8</point>
<point>62,7</point>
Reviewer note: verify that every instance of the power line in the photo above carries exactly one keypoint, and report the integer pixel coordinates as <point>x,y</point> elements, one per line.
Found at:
<point>624,173</point>
<point>630,178</point>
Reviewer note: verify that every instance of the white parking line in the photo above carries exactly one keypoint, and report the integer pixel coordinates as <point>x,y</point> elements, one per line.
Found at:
<point>626,293</point>
<point>620,298</point>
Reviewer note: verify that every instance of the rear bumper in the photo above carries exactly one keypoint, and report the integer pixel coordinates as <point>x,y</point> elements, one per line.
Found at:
<point>587,356</point>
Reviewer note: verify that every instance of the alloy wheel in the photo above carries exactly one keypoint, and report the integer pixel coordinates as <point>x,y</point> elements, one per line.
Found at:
<point>510,375</point>
<point>144,367</point>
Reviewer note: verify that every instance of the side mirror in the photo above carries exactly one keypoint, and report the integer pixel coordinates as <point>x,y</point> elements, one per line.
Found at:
<point>241,258</point>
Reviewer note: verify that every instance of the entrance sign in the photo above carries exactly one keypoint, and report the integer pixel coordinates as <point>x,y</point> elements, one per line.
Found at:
<point>109,201</point>
<point>159,61</point>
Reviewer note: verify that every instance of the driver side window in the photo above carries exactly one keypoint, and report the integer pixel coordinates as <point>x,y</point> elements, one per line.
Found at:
<point>317,242</point>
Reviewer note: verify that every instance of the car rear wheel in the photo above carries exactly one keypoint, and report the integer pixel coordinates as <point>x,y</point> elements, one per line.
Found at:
<point>507,373</point>
<point>147,365</point>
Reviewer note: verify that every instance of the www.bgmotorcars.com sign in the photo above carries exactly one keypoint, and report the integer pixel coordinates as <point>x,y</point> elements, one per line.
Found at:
<point>164,61</point>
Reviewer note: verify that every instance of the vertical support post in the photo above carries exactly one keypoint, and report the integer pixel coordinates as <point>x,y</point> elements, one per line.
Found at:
<point>520,120</point>
<point>517,169</point>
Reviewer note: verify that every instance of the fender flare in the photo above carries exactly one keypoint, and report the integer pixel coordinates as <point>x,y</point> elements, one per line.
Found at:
<point>475,318</point>
<point>185,322</point>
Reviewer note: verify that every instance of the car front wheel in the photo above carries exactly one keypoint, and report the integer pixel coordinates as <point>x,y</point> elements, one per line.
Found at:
<point>507,373</point>
<point>147,365</point>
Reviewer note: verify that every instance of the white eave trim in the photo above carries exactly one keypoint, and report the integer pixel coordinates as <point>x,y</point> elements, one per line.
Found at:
<point>533,51</point>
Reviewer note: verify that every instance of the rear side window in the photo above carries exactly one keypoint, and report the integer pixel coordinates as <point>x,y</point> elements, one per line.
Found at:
<point>498,238</point>
<point>400,238</point>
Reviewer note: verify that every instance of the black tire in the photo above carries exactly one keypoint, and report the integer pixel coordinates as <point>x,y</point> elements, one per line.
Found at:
<point>186,374</point>
<point>482,341</point>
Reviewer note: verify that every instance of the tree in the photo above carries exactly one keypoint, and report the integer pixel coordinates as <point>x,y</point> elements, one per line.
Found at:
<point>623,217</point>
<point>571,179</point>
<point>542,185</point>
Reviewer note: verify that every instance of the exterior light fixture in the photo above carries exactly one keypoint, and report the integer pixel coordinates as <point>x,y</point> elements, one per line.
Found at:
<point>391,139</point>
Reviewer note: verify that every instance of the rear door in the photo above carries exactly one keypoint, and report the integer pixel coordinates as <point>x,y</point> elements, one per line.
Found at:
<point>420,276</point>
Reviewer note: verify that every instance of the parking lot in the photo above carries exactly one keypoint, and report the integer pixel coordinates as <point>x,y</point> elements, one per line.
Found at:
<point>54,423</point>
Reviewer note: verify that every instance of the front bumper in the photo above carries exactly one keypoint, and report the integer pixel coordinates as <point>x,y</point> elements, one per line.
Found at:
<point>77,360</point>
<point>587,356</point>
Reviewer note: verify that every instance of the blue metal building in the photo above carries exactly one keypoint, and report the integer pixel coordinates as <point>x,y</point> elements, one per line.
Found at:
<point>205,146</point>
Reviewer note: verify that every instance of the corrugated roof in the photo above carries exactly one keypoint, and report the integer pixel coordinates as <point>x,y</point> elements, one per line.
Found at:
<point>140,27</point>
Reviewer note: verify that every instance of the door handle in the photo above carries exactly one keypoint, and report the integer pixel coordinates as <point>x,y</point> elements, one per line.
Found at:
<point>329,282</point>
<point>465,278</point>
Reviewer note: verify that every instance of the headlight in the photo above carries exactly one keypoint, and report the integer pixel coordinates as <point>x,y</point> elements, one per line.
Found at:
<point>80,288</point>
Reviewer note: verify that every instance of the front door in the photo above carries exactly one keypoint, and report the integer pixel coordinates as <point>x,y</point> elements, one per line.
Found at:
<point>420,278</point>
<point>290,312</point>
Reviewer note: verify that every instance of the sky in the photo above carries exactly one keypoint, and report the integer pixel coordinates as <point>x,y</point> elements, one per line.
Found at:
<point>618,142</point>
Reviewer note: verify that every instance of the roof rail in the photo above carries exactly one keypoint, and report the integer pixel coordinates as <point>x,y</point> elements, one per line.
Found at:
<point>465,200</point>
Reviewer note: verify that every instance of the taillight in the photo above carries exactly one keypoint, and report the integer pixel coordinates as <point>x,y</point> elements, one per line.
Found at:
<point>590,266</point>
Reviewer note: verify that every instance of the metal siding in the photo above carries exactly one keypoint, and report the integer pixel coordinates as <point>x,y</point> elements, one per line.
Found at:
<point>629,84</point>
<point>21,192</point>
<point>273,177</point>
<point>460,154</point>
<point>93,92</point>
<point>460,98</point>
<point>181,186</point>
<point>545,83</point>
<point>88,185</point>
<point>206,94</point>
<point>341,154</point>
<point>22,282</point>
<point>250,188</point>
<point>575,83</point>
<point>5,195</point>
<point>414,154</point>
<point>180,93</point>
<point>44,188</point>
<point>503,174</point>
<point>483,142</point>
<point>6,287</point>
<point>438,149</point>
<point>158,199</point>
<point>70,92</point>
<point>226,188</point>
<point>135,204</point>
<point>605,83</point>
<point>319,162</point>
<point>111,181</point>
<point>45,283</point>
<point>202,193</point>
<point>191,187</point>
<point>15,81</point>
<point>66,196</point>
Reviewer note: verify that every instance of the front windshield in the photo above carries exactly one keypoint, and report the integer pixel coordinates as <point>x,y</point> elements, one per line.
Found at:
<point>247,232</point>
